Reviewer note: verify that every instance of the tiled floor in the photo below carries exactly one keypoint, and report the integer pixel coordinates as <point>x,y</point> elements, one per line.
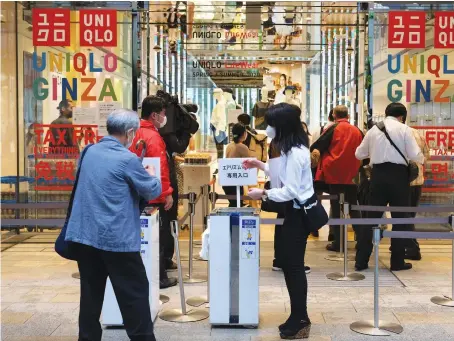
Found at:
<point>39,299</point>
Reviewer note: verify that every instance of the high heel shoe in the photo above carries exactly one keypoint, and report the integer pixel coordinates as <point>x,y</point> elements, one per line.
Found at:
<point>301,331</point>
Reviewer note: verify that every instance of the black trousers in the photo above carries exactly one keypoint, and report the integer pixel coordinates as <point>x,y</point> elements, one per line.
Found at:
<point>415,196</point>
<point>320,187</point>
<point>129,280</point>
<point>166,241</point>
<point>231,190</point>
<point>388,186</point>
<point>294,237</point>
<point>278,243</point>
<point>350,196</point>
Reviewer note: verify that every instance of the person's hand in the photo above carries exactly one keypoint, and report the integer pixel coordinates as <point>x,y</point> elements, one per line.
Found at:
<point>255,193</point>
<point>251,163</point>
<point>169,202</point>
<point>150,170</point>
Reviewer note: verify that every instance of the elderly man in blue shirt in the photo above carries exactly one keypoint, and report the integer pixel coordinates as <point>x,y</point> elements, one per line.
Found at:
<point>105,225</point>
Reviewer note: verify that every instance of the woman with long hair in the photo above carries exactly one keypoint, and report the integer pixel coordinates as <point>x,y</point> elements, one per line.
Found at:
<point>286,130</point>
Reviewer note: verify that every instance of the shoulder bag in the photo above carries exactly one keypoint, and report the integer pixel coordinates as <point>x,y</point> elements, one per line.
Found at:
<point>314,214</point>
<point>65,248</point>
<point>412,167</point>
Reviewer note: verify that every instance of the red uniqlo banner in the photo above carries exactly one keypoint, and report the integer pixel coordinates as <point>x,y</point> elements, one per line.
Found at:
<point>51,27</point>
<point>444,30</point>
<point>98,28</point>
<point>407,29</point>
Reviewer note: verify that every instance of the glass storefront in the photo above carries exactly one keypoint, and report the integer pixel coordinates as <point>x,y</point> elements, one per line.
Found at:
<point>324,54</point>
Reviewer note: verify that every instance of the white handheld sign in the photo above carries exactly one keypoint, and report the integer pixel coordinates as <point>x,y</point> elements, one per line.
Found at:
<point>155,162</point>
<point>232,173</point>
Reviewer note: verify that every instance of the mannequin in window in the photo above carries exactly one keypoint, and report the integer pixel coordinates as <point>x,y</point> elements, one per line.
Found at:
<point>219,122</point>
<point>259,110</point>
<point>172,25</point>
<point>230,103</point>
<point>280,93</point>
<point>289,96</point>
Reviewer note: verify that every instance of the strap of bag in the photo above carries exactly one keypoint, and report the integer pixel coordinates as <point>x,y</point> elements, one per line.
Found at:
<point>382,127</point>
<point>73,192</point>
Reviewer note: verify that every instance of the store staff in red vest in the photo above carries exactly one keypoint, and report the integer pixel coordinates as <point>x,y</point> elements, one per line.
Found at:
<point>154,118</point>
<point>338,165</point>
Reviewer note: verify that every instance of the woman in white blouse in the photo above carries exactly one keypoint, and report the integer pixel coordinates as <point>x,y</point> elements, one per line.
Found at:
<point>286,130</point>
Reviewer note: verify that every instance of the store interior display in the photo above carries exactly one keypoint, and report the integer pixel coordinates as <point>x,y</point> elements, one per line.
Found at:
<point>259,110</point>
<point>195,158</point>
<point>280,92</point>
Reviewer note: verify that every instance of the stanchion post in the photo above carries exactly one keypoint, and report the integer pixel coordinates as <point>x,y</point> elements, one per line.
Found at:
<point>340,256</point>
<point>213,194</point>
<point>345,276</point>
<point>445,300</point>
<point>191,210</point>
<point>376,327</point>
<point>183,315</point>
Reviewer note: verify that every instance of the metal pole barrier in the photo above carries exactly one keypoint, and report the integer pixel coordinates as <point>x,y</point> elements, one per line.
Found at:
<point>197,301</point>
<point>445,300</point>
<point>202,192</point>
<point>181,315</point>
<point>191,209</point>
<point>376,327</point>
<point>340,256</point>
<point>213,194</point>
<point>345,276</point>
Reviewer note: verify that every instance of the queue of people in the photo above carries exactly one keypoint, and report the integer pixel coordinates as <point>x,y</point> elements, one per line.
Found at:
<point>106,231</point>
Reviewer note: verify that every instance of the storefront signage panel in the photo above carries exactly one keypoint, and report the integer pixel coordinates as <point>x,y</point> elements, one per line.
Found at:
<point>407,30</point>
<point>52,27</point>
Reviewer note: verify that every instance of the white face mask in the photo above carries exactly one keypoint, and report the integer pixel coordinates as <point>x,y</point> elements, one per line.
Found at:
<point>130,139</point>
<point>271,132</point>
<point>162,124</point>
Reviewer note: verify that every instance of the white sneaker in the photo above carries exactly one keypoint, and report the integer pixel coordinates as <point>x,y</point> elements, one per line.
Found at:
<point>307,269</point>
<point>275,268</point>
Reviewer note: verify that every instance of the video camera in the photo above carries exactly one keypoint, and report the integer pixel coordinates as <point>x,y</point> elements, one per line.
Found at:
<point>179,117</point>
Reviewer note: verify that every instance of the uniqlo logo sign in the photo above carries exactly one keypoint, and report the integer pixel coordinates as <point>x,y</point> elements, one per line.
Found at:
<point>51,27</point>
<point>98,28</point>
<point>407,29</point>
<point>444,30</point>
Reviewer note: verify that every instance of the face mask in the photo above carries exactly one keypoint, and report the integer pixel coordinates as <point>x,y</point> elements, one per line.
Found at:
<point>271,132</point>
<point>160,125</point>
<point>130,139</point>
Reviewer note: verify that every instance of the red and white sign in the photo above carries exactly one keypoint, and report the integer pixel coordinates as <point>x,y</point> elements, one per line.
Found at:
<point>98,28</point>
<point>444,30</point>
<point>407,29</point>
<point>51,27</point>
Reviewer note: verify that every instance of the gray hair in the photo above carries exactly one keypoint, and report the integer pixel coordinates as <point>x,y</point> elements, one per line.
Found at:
<point>122,120</point>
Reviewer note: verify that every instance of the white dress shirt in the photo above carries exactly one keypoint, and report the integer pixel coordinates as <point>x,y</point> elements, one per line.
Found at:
<point>376,146</point>
<point>295,177</point>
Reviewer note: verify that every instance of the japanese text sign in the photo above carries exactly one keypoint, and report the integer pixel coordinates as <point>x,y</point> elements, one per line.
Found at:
<point>406,29</point>
<point>232,173</point>
<point>51,27</point>
<point>444,30</point>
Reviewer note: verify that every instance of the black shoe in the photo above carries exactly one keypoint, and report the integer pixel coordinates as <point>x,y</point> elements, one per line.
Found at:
<point>315,234</point>
<point>330,238</point>
<point>292,331</point>
<point>171,266</point>
<point>406,266</point>
<point>413,256</point>
<point>332,247</point>
<point>167,283</point>
<point>307,269</point>
<point>361,267</point>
